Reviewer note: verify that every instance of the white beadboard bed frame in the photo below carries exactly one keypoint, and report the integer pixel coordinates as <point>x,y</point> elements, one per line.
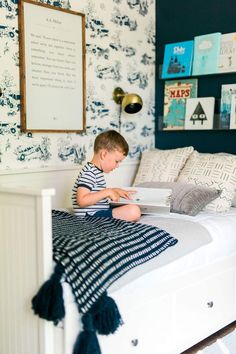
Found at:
<point>182,315</point>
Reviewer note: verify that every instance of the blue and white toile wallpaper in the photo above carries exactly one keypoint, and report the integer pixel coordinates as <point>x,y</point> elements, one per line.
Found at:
<point>120,43</point>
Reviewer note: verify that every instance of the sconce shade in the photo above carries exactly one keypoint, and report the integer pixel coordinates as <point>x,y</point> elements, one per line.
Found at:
<point>130,102</point>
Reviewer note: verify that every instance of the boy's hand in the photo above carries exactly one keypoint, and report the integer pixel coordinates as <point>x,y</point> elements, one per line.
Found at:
<point>127,194</point>
<point>114,195</point>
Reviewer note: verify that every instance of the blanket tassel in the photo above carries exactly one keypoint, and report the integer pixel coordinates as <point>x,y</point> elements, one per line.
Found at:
<point>87,342</point>
<point>104,318</point>
<point>48,302</point>
<point>106,315</point>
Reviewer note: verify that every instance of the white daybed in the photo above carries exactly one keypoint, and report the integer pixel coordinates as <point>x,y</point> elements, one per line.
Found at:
<point>166,310</point>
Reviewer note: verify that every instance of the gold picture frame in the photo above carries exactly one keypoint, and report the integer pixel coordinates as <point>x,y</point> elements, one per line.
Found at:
<point>52,68</point>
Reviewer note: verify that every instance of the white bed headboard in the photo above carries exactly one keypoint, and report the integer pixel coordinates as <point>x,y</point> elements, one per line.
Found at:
<point>62,179</point>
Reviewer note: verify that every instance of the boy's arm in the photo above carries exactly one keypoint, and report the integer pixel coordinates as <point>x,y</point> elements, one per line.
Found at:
<point>86,198</point>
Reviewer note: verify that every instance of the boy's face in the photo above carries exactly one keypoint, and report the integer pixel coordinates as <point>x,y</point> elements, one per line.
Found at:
<point>110,159</point>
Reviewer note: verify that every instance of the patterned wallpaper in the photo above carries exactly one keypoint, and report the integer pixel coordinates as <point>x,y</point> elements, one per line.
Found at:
<point>120,51</point>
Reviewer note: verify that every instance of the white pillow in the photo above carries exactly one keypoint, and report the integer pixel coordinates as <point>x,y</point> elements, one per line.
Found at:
<point>212,170</point>
<point>234,201</point>
<point>162,165</point>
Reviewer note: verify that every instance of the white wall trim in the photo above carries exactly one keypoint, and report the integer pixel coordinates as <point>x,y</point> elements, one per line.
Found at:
<point>57,168</point>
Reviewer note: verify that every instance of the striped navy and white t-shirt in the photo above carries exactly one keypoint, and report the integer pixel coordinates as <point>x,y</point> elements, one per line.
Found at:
<point>90,177</point>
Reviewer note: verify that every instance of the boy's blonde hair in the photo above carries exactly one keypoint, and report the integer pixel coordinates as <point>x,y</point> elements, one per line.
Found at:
<point>111,140</point>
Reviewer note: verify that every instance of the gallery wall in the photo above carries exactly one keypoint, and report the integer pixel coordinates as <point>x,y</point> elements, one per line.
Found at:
<point>180,21</point>
<point>120,51</point>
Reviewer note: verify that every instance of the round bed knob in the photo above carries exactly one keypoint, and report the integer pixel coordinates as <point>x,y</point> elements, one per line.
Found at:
<point>134,342</point>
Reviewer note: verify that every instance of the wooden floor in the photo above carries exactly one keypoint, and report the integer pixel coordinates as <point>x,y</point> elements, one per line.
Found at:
<point>208,341</point>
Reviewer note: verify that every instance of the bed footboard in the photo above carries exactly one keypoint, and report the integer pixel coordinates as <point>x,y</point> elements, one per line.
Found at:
<point>25,262</point>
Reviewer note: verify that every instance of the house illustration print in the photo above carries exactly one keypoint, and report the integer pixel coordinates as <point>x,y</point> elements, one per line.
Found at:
<point>175,66</point>
<point>199,113</point>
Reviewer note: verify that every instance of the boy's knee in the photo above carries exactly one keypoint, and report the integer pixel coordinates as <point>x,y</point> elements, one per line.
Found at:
<point>135,212</point>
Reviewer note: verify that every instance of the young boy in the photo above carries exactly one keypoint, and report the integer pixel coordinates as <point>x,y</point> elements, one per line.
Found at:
<point>89,194</point>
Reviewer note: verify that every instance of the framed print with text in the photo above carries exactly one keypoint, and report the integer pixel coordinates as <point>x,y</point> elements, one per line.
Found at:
<point>52,68</point>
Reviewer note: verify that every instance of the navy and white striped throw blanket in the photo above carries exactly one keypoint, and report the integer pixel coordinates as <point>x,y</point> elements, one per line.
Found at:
<point>92,253</point>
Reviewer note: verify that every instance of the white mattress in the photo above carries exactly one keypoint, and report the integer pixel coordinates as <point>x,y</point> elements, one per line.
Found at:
<point>196,251</point>
<point>216,239</point>
<point>222,229</point>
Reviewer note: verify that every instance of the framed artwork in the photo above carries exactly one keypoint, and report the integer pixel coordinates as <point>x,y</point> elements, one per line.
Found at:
<point>227,91</point>
<point>233,112</point>
<point>52,68</point>
<point>176,94</point>
<point>199,113</point>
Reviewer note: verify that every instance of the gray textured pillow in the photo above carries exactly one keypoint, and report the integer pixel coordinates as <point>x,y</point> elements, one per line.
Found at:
<point>186,198</point>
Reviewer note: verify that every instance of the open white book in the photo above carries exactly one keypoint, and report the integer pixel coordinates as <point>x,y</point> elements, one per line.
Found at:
<point>150,200</point>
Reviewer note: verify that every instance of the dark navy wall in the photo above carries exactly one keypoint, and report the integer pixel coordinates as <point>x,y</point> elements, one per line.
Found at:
<point>182,20</point>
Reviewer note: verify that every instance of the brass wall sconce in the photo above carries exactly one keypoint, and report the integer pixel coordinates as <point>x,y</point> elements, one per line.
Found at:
<point>129,102</point>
